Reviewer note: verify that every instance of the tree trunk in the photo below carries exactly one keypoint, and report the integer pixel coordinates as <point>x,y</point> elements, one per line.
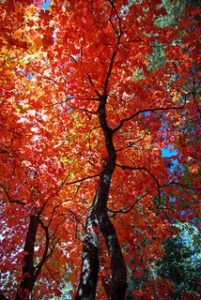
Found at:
<point>90,261</point>
<point>100,218</point>
<point>28,280</point>
<point>118,284</point>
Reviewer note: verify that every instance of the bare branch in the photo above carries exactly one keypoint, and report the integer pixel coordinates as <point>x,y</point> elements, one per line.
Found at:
<point>119,33</point>
<point>123,167</point>
<point>83,179</point>
<point>11,200</point>
<point>151,110</point>
<point>125,211</point>
<point>92,84</point>
<point>45,253</point>
<point>133,143</point>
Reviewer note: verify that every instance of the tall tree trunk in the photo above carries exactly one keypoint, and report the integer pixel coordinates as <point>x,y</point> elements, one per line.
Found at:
<point>90,261</point>
<point>28,279</point>
<point>118,284</point>
<point>101,219</point>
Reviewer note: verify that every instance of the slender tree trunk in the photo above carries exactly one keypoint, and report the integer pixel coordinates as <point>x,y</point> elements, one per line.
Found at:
<point>90,261</point>
<point>118,284</point>
<point>28,280</point>
<point>101,219</point>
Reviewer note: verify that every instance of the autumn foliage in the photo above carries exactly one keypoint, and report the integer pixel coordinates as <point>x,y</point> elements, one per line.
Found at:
<point>86,196</point>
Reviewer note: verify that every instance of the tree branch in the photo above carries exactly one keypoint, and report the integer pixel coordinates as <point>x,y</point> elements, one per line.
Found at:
<point>123,167</point>
<point>11,200</point>
<point>151,110</point>
<point>83,179</point>
<point>125,211</point>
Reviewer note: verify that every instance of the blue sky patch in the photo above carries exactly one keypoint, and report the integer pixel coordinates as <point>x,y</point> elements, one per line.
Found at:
<point>29,76</point>
<point>46,5</point>
<point>167,152</point>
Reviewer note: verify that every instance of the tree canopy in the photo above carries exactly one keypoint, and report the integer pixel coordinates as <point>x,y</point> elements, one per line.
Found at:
<point>99,144</point>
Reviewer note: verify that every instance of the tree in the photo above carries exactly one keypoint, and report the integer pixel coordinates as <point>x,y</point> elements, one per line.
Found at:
<point>176,275</point>
<point>29,178</point>
<point>181,262</point>
<point>87,112</point>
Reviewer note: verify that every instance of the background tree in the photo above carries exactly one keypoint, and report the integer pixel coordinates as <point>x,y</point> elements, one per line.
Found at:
<point>31,229</point>
<point>181,263</point>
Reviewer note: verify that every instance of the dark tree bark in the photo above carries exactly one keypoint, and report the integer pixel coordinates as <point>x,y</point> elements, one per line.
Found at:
<point>100,218</point>
<point>29,271</point>
<point>90,261</point>
<point>118,284</point>
<point>28,280</point>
